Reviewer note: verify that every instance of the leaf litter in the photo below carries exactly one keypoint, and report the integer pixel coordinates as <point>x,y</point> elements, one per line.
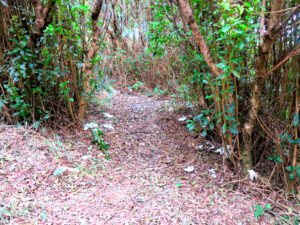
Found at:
<point>148,180</point>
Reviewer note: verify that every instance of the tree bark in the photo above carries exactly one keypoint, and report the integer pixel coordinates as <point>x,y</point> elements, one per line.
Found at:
<point>90,55</point>
<point>42,19</point>
<point>187,12</point>
<point>264,50</point>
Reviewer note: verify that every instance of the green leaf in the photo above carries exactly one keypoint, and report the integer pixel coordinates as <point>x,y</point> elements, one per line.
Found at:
<point>248,4</point>
<point>268,206</point>
<point>233,129</point>
<point>231,108</point>
<point>296,120</point>
<point>229,118</point>
<point>224,129</point>
<point>259,211</point>
<point>294,141</point>
<point>298,172</point>
<point>179,185</point>
<point>46,116</point>
<point>292,176</point>
<point>209,96</point>
<point>235,73</point>
<point>1,104</point>
<point>226,28</point>
<point>241,45</point>
<point>221,65</point>
<point>190,126</point>
<point>205,122</point>
<point>204,133</point>
<point>36,125</point>
<point>277,159</point>
<point>59,171</point>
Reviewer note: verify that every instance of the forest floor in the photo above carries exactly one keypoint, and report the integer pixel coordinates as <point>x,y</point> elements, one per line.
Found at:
<point>64,179</point>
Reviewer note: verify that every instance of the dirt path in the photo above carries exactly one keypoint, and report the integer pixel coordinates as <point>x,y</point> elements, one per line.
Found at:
<point>143,183</point>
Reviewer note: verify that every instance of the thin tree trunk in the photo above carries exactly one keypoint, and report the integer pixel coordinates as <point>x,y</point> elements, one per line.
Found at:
<point>187,12</point>
<point>264,50</point>
<point>90,55</point>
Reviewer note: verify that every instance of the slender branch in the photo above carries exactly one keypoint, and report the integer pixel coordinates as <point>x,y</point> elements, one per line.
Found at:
<point>280,25</point>
<point>291,54</point>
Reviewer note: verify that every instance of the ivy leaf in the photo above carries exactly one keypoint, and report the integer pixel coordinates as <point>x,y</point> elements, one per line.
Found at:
<point>298,172</point>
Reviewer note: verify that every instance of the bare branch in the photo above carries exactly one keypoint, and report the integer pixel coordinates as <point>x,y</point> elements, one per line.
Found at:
<point>291,54</point>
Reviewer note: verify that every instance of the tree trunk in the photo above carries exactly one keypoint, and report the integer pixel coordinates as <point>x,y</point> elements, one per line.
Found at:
<point>43,17</point>
<point>89,56</point>
<point>187,12</point>
<point>264,50</point>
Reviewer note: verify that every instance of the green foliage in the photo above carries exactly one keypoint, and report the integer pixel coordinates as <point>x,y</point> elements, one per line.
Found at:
<point>43,80</point>
<point>137,86</point>
<point>56,148</point>
<point>293,171</point>
<point>261,210</point>
<point>276,158</point>
<point>98,140</point>
<point>161,32</point>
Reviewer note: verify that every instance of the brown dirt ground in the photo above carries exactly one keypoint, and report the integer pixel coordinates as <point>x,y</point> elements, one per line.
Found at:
<point>143,183</point>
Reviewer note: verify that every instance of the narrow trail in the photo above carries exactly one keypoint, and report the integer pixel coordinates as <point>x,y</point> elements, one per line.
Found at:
<point>150,150</point>
<point>143,183</point>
